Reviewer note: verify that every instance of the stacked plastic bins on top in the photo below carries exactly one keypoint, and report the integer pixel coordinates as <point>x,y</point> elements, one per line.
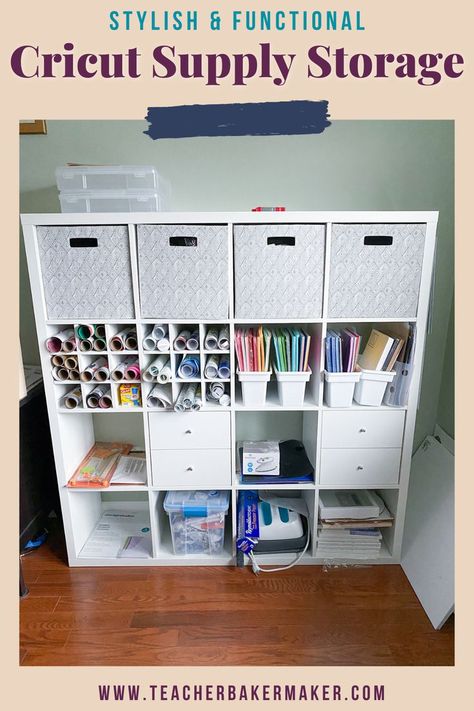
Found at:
<point>111,188</point>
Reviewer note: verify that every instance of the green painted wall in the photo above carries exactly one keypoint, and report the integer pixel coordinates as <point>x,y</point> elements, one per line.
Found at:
<point>353,165</point>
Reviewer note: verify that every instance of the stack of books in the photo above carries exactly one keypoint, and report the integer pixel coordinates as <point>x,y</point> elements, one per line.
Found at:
<point>350,523</point>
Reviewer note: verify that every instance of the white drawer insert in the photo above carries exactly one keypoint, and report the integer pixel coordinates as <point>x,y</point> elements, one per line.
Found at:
<point>184,430</point>
<point>191,467</point>
<point>359,467</point>
<point>363,428</point>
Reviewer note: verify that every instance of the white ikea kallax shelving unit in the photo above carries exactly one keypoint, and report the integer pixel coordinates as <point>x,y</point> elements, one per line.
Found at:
<point>197,450</point>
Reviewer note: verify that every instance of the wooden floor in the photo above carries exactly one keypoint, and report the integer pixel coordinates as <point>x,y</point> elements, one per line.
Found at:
<point>223,616</point>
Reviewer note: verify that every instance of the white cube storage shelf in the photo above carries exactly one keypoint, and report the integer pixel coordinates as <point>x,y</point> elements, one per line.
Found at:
<point>312,269</point>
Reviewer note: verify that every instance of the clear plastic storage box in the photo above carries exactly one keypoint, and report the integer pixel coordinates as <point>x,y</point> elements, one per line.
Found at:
<point>108,177</point>
<point>111,201</point>
<point>197,520</point>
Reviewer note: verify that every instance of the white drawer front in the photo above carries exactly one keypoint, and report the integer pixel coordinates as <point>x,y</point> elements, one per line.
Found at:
<point>359,467</point>
<point>197,430</point>
<point>363,428</point>
<point>192,467</point>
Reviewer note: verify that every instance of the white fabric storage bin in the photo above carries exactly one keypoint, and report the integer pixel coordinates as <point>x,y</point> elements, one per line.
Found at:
<point>339,388</point>
<point>279,270</point>
<point>254,387</point>
<point>183,271</point>
<point>86,272</point>
<point>109,177</point>
<point>291,387</point>
<point>375,270</point>
<point>111,201</point>
<point>371,387</point>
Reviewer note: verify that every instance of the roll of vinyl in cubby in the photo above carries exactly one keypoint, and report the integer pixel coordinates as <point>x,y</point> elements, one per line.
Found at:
<point>132,371</point>
<point>60,373</point>
<point>159,397</point>
<point>74,374</point>
<point>99,344</point>
<point>55,343</point>
<point>93,398</point>
<point>149,342</point>
<point>118,373</point>
<point>86,344</point>
<point>70,362</point>
<point>192,343</point>
<point>159,331</point>
<point>211,339</point>
<point>85,331</point>
<point>72,399</point>
<point>181,340</point>
<point>211,369</point>
<point>57,360</point>
<point>124,339</point>
<point>153,369</point>
<point>223,342</point>
<point>99,330</point>
<point>189,367</point>
<point>89,372</point>
<point>224,368</point>
<point>105,401</point>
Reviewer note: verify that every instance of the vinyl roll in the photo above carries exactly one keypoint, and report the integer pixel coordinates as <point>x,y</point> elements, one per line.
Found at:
<point>179,406</point>
<point>99,330</point>
<point>72,399</point>
<point>197,404</point>
<point>224,400</point>
<point>93,398</point>
<point>164,376</point>
<point>211,339</point>
<point>86,345</point>
<point>105,401</point>
<point>131,343</point>
<point>118,373</point>
<point>149,342</point>
<point>211,369</point>
<point>85,331</point>
<point>189,367</point>
<point>74,374</point>
<point>216,390</point>
<point>102,373</point>
<point>159,331</point>
<point>132,371</point>
<point>223,342</point>
<point>70,345</point>
<point>153,368</point>
<point>181,340</point>
<point>60,373</point>
<point>160,398</point>
<point>99,344</point>
<point>70,362</point>
<point>224,368</point>
<point>117,342</point>
<point>189,395</point>
<point>57,360</point>
<point>163,344</point>
<point>55,343</point>
<point>89,372</point>
<point>192,343</point>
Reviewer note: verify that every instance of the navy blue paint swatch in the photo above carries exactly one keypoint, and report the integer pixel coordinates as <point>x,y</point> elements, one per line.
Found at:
<point>265,119</point>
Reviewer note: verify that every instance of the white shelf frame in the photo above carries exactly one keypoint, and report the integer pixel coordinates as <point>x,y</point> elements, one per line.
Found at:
<point>70,437</point>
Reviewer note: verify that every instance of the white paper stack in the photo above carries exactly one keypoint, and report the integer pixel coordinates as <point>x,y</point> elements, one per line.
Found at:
<point>349,543</point>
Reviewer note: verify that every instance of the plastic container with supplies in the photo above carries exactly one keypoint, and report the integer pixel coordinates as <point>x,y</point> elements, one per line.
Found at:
<point>291,387</point>
<point>371,387</point>
<point>197,520</point>
<point>339,388</point>
<point>111,201</point>
<point>109,177</point>
<point>254,387</point>
<point>396,394</point>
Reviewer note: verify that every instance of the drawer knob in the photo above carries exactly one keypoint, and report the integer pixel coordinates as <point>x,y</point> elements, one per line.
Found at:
<point>362,429</point>
<point>188,432</point>
<point>189,469</point>
<point>360,468</point>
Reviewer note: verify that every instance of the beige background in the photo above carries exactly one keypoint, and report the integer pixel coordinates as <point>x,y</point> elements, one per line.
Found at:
<point>420,26</point>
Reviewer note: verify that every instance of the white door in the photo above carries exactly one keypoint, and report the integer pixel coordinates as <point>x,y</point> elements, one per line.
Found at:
<point>428,541</point>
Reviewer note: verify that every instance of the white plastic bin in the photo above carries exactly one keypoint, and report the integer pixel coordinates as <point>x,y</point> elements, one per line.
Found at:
<point>197,520</point>
<point>111,201</point>
<point>109,177</point>
<point>371,387</point>
<point>291,387</point>
<point>254,387</point>
<point>339,388</point>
